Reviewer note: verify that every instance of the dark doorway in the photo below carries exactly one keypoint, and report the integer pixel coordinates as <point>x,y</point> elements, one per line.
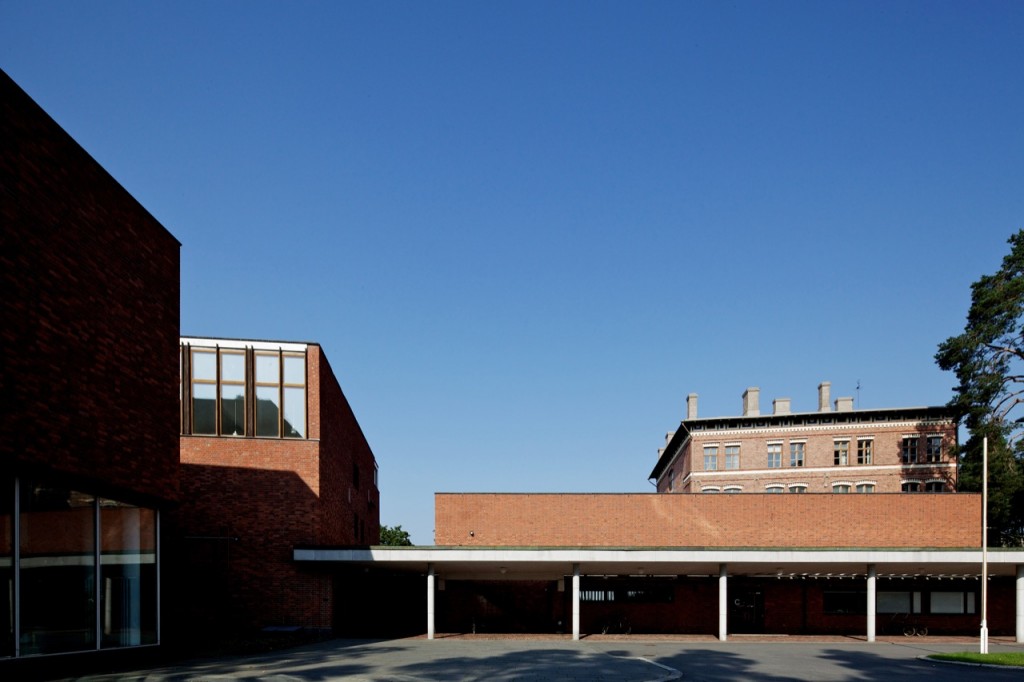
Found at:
<point>746,610</point>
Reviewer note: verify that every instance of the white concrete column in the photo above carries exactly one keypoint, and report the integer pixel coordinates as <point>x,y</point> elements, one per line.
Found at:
<point>430,601</point>
<point>872,580</point>
<point>1020,603</point>
<point>723,601</point>
<point>576,602</point>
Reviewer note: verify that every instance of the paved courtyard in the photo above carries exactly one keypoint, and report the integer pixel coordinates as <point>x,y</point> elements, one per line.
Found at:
<point>626,659</point>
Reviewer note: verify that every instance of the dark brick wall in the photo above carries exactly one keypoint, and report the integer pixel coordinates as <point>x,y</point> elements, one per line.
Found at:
<point>653,520</point>
<point>89,321</point>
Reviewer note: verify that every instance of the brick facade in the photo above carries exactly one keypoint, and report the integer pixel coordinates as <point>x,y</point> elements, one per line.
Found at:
<point>652,520</point>
<point>89,316</point>
<point>860,450</point>
<point>247,502</point>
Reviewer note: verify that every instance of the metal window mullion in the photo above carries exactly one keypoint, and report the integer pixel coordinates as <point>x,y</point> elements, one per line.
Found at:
<point>96,536</point>
<point>16,558</point>
<point>216,395</point>
<point>280,393</point>
<point>158,585</point>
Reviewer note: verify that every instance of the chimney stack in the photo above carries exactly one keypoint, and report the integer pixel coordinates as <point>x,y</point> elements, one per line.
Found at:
<point>691,406</point>
<point>824,391</point>
<point>780,406</point>
<point>751,398</point>
<point>844,404</point>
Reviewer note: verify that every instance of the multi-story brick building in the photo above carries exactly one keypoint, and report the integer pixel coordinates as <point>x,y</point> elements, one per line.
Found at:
<point>88,446</point>
<point>271,457</point>
<point>842,450</point>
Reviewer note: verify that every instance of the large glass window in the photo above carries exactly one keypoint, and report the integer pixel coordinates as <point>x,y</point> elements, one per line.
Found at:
<point>774,455</point>
<point>232,393</point>
<point>57,570</point>
<point>933,449</point>
<point>204,391</point>
<point>127,575</point>
<point>66,602</point>
<point>245,392</point>
<point>732,456</point>
<point>294,395</point>
<point>268,394</point>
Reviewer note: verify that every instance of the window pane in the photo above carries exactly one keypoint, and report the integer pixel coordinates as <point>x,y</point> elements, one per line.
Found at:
<point>127,575</point>
<point>295,370</point>
<point>267,369</point>
<point>947,602</point>
<point>295,413</point>
<point>57,570</point>
<point>204,365</point>
<point>267,411</point>
<point>204,408</point>
<point>796,454</point>
<point>232,410</point>
<point>232,367</point>
<point>6,567</point>
<point>893,602</point>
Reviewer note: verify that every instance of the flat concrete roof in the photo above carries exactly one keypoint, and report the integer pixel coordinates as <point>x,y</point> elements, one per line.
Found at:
<point>536,563</point>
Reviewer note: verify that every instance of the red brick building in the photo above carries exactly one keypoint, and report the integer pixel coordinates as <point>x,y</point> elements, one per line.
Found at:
<point>271,457</point>
<point>88,447</point>
<point>843,450</point>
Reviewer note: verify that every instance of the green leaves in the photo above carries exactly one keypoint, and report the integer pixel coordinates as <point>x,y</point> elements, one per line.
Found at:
<point>394,536</point>
<point>988,359</point>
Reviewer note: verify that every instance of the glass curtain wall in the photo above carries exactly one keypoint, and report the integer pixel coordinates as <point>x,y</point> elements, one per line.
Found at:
<point>79,574</point>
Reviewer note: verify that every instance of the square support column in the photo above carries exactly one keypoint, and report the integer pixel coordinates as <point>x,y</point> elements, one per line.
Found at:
<point>430,601</point>
<point>872,584</point>
<point>576,602</point>
<point>1020,603</point>
<point>723,601</point>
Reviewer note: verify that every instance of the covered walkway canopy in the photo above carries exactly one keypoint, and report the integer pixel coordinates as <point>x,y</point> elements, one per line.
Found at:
<point>522,563</point>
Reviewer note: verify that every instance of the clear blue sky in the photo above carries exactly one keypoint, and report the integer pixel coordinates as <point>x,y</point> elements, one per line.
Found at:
<point>524,231</point>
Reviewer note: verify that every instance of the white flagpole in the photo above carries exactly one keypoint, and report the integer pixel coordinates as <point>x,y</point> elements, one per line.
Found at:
<point>984,546</point>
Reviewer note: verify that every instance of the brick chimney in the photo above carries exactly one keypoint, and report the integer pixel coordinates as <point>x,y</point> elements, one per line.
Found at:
<point>691,406</point>
<point>780,406</point>
<point>824,396</point>
<point>751,400</point>
<point>844,404</point>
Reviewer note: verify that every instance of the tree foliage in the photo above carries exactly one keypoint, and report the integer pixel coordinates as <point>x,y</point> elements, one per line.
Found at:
<point>988,359</point>
<point>394,536</point>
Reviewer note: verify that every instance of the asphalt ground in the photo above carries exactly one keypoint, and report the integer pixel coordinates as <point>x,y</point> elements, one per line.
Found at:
<point>624,659</point>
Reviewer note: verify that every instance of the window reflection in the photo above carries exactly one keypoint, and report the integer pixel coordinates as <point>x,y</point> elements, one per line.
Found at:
<point>127,575</point>
<point>57,566</point>
<point>268,399</point>
<point>247,392</point>
<point>232,393</point>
